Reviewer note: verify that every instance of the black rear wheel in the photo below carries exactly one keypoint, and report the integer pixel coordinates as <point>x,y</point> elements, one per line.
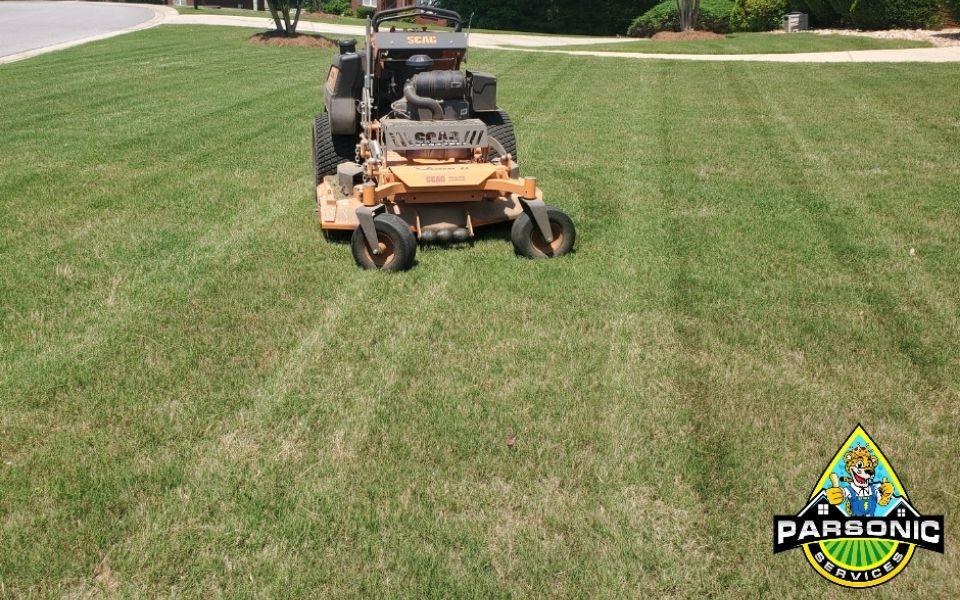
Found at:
<point>500,127</point>
<point>330,150</point>
<point>397,245</point>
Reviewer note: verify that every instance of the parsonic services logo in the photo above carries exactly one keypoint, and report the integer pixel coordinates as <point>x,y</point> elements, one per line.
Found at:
<point>859,529</point>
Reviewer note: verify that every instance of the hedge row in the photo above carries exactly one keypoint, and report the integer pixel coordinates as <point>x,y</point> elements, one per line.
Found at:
<point>886,14</point>
<point>722,16</point>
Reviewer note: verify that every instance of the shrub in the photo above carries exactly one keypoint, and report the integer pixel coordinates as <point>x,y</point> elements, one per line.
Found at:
<point>954,6</point>
<point>714,16</point>
<point>821,12</point>
<point>884,14</point>
<point>365,12</point>
<point>335,7</point>
<point>757,15</point>
<point>875,14</point>
<point>842,8</point>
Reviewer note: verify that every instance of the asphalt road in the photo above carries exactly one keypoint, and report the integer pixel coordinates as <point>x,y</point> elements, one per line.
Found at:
<point>30,25</point>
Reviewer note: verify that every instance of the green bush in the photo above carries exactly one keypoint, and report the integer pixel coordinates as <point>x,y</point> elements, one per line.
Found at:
<point>873,14</point>
<point>842,8</point>
<point>884,14</point>
<point>822,13</point>
<point>335,7</point>
<point>714,16</point>
<point>365,12</point>
<point>954,6</point>
<point>758,15</point>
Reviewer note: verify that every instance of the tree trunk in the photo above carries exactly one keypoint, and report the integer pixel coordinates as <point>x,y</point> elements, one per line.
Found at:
<point>688,13</point>
<point>285,13</point>
<point>274,14</point>
<point>296,19</point>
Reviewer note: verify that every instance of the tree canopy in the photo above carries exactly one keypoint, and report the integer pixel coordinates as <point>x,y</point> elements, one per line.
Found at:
<point>597,17</point>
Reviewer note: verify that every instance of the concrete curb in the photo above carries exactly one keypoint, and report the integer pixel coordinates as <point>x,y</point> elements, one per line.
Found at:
<point>161,14</point>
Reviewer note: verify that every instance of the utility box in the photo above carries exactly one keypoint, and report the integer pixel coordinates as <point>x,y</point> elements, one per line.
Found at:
<point>796,21</point>
<point>484,86</point>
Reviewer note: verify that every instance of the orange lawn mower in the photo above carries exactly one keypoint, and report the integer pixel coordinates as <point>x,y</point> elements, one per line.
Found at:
<point>412,149</point>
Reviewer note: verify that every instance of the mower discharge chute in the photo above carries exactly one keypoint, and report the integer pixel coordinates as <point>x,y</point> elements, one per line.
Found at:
<point>412,148</point>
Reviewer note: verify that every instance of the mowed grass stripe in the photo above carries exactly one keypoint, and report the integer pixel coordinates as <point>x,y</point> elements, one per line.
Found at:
<point>251,415</point>
<point>888,307</point>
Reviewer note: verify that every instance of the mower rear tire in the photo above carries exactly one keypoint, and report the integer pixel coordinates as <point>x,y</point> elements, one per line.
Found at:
<point>329,150</point>
<point>500,127</point>
<point>397,242</point>
<point>529,242</point>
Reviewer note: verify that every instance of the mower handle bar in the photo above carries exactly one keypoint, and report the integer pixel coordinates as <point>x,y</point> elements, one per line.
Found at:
<point>398,14</point>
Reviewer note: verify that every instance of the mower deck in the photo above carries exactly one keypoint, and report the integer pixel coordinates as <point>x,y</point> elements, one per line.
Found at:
<point>429,195</point>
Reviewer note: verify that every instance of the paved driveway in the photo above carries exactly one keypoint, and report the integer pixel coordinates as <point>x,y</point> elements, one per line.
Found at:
<point>26,26</point>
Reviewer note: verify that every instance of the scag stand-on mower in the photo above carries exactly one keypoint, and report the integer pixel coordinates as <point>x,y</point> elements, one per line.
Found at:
<point>412,147</point>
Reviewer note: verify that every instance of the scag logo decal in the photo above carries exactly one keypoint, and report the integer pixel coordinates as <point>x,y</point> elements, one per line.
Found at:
<point>859,529</point>
<point>442,138</point>
<point>445,179</point>
<point>421,39</point>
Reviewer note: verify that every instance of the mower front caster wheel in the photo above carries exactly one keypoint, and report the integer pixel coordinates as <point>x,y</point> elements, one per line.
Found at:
<point>529,241</point>
<point>397,245</point>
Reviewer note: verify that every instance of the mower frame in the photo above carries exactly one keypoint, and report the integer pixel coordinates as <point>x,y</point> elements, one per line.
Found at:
<point>440,178</point>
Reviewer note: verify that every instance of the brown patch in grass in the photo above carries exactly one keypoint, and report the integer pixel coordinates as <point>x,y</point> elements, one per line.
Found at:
<point>103,575</point>
<point>686,36</point>
<point>300,40</point>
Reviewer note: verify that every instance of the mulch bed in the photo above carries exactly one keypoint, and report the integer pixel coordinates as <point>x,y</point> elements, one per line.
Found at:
<point>300,40</point>
<point>685,36</point>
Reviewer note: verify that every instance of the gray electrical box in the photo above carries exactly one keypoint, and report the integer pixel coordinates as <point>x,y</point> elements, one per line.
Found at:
<point>796,21</point>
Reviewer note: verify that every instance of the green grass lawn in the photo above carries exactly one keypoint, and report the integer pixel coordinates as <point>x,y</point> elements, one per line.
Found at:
<point>755,43</point>
<point>200,395</point>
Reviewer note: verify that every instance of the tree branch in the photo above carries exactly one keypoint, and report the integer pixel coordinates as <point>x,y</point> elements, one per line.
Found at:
<point>296,19</point>
<point>274,14</point>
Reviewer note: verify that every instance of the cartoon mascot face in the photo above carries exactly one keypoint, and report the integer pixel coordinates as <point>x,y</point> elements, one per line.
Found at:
<point>860,464</point>
<point>861,499</point>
